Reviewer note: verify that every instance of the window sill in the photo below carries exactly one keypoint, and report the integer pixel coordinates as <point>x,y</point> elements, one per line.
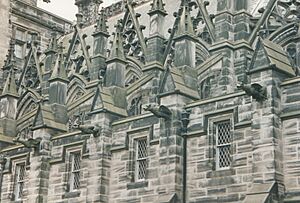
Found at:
<point>139,184</point>
<point>72,194</point>
<point>221,173</point>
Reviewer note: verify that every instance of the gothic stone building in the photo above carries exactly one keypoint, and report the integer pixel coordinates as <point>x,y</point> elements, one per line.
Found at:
<point>23,21</point>
<point>192,101</point>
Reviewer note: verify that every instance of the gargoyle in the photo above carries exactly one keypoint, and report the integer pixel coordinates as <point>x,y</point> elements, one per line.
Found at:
<point>255,90</point>
<point>90,129</point>
<point>159,111</point>
<point>30,143</point>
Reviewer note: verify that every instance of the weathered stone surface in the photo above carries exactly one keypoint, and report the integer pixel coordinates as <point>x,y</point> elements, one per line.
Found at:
<point>202,140</point>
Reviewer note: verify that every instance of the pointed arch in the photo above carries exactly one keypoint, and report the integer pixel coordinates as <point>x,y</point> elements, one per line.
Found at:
<point>286,34</point>
<point>27,103</point>
<point>31,76</point>
<point>289,38</point>
<point>76,88</point>
<point>133,71</point>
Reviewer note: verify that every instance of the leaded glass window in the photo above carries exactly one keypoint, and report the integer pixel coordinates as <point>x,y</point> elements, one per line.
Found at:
<point>141,159</point>
<point>223,144</point>
<point>19,180</point>
<point>75,171</point>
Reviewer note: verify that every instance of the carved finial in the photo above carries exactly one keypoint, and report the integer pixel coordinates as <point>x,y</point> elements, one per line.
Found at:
<point>185,24</point>
<point>53,41</point>
<point>10,87</point>
<point>10,57</point>
<point>157,7</point>
<point>117,50</point>
<point>87,11</point>
<point>59,71</point>
<point>35,40</point>
<point>101,23</point>
<point>79,19</point>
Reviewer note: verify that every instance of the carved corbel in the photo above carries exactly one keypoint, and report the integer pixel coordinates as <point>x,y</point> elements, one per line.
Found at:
<point>258,92</point>
<point>95,130</point>
<point>30,143</point>
<point>159,111</point>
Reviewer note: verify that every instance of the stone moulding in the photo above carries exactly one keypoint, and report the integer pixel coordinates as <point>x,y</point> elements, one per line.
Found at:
<point>210,100</point>
<point>290,81</point>
<point>24,156</point>
<point>130,119</point>
<point>81,144</point>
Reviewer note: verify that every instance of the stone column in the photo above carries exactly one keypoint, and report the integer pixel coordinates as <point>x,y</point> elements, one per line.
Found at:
<point>223,20</point>
<point>267,131</point>
<point>99,161</point>
<point>89,9</point>
<point>100,36</point>
<point>38,178</point>
<point>171,152</point>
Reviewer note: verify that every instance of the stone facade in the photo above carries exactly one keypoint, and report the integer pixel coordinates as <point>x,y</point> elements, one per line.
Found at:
<point>19,20</point>
<point>199,106</point>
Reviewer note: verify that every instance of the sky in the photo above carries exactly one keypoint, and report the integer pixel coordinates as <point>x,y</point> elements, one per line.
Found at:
<point>66,8</point>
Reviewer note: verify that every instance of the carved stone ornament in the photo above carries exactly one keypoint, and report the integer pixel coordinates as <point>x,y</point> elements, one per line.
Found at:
<point>255,90</point>
<point>29,143</point>
<point>114,9</point>
<point>31,108</point>
<point>159,111</point>
<point>75,121</point>
<point>31,77</point>
<point>95,130</point>
<point>201,28</point>
<point>289,9</point>
<point>26,133</point>
<point>132,45</point>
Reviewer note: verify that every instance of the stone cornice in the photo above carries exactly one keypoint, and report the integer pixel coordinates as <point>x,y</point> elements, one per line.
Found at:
<point>215,99</point>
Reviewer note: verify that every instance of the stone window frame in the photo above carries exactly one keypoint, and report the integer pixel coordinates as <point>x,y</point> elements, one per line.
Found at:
<point>138,144</point>
<point>212,121</point>
<point>19,180</point>
<point>27,36</point>
<point>71,192</point>
<point>75,168</point>
<point>223,143</point>
<point>15,163</point>
<point>20,42</point>
<point>132,136</point>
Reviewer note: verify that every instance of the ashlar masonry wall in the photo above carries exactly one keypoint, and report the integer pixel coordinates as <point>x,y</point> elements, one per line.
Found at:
<point>205,183</point>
